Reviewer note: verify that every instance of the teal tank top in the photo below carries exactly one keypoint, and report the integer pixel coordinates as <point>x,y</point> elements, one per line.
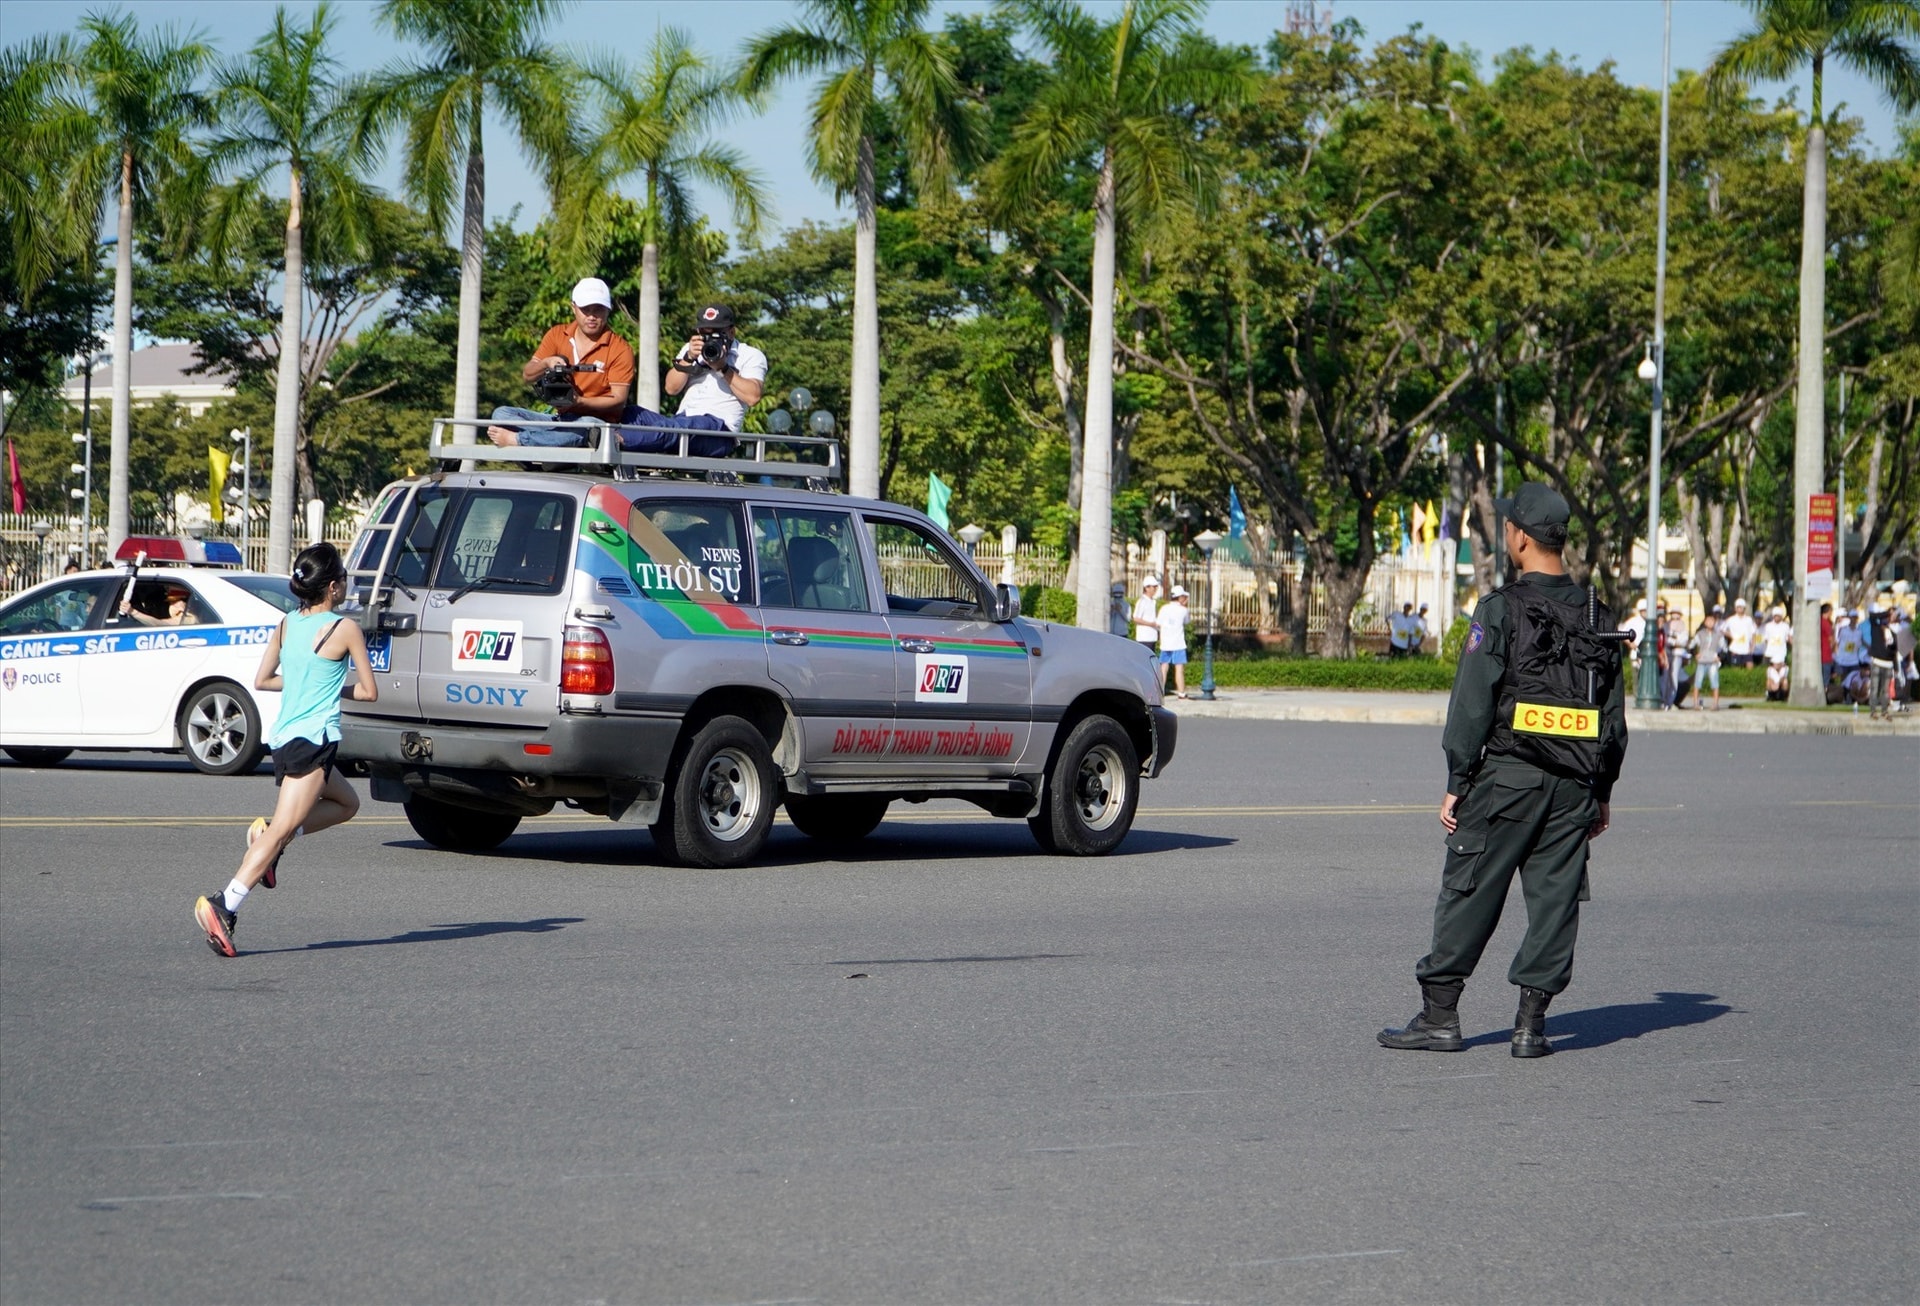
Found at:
<point>310,684</point>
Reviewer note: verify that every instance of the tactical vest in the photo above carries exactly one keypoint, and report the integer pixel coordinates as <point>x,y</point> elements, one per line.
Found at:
<point>1546,715</point>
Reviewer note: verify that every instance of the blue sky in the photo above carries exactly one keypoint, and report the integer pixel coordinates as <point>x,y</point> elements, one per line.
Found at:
<point>1587,32</point>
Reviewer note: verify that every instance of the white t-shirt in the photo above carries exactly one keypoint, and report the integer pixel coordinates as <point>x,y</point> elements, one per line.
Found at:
<point>1775,637</point>
<point>1848,647</point>
<point>1400,629</point>
<point>708,392</point>
<point>1143,620</point>
<point>1739,631</point>
<point>1173,627</point>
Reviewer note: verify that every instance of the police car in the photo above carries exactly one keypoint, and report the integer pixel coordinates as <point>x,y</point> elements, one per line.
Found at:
<point>175,672</point>
<point>690,643</point>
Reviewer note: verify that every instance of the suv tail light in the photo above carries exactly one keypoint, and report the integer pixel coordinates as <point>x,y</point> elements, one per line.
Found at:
<point>586,662</point>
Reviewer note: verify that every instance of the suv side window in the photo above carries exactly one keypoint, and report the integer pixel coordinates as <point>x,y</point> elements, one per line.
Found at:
<point>415,553</point>
<point>922,577</point>
<point>808,558</point>
<point>705,536</point>
<point>516,535</point>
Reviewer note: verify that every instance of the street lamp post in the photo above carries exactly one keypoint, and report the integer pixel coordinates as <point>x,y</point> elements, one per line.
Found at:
<point>244,438</point>
<point>971,535</point>
<point>1654,369</point>
<point>84,491</point>
<point>41,529</point>
<point>1208,540</point>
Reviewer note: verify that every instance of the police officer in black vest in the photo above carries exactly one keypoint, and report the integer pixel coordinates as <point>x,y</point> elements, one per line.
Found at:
<point>1536,730</point>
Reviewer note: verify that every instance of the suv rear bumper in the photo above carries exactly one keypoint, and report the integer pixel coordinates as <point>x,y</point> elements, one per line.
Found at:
<point>618,751</point>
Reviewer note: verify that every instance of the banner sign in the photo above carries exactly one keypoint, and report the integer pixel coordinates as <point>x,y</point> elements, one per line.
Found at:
<point>1822,521</point>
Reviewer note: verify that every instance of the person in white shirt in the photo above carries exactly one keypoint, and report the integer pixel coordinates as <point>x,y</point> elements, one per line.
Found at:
<point>1849,646</point>
<point>714,374</point>
<point>1776,637</point>
<point>1419,633</point>
<point>1146,626</point>
<point>1400,631</point>
<point>1739,630</point>
<point>1636,625</point>
<point>1173,638</point>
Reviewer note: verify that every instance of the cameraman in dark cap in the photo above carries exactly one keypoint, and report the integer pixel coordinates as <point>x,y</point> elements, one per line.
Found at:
<point>1536,731</point>
<point>714,374</point>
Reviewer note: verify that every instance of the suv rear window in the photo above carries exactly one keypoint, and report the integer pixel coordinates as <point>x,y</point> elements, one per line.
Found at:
<point>520,536</point>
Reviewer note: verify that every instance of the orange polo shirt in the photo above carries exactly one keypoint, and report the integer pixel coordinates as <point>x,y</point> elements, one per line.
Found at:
<point>610,350</point>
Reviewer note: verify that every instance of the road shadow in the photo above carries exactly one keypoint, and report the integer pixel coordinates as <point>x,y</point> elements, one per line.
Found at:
<point>435,934</point>
<point>787,848</point>
<point>1596,1027</point>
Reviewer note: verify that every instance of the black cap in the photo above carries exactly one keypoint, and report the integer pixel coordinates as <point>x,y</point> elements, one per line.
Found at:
<point>1539,511</point>
<point>715,317</point>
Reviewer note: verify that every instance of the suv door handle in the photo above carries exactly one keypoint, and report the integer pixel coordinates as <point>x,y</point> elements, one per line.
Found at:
<point>914,644</point>
<point>793,637</point>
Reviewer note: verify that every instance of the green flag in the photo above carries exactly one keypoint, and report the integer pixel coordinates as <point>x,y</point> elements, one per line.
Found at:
<point>938,492</point>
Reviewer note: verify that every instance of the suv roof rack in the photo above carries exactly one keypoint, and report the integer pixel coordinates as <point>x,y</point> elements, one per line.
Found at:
<point>810,459</point>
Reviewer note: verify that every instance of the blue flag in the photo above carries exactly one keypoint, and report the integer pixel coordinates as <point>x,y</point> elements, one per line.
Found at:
<point>938,492</point>
<point>1236,515</point>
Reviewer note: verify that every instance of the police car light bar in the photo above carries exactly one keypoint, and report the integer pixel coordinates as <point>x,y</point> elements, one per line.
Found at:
<point>178,549</point>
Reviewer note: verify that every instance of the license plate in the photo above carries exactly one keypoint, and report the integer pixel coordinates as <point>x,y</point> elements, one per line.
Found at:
<point>380,651</point>
<point>1545,719</point>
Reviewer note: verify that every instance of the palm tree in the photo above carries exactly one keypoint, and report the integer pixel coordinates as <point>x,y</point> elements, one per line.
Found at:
<point>143,103</point>
<point>856,45</point>
<point>45,129</point>
<point>654,125</point>
<point>1123,95</point>
<point>1873,37</point>
<point>482,54</point>
<point>283,107</point>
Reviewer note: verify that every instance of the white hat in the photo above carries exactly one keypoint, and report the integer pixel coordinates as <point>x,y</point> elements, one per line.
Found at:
<point>1150,582</point>
<point>591,291</point>
<point>1179,591</point>
<point>1423,607</point>
<point>1639,605</point>
<point>1739,603</point>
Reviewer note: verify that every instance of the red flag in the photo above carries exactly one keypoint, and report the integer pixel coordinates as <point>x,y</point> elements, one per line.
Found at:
<point>13,479</point>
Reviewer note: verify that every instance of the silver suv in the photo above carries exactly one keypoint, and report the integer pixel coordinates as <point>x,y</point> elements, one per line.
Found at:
<point>678,643</point>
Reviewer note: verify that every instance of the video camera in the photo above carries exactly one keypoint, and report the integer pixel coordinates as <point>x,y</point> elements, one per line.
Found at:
<point>555,385</point>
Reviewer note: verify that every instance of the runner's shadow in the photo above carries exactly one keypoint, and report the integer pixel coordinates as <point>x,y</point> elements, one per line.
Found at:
<point>436,934</point>
<point>1596,1027</point>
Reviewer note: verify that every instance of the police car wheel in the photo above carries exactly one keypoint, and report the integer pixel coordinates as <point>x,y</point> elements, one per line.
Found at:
<point>459,829</point>
<point>721,796</point>
<point>837,818</point>
<point>1091,792</point>
<point>38,756</point>
<point>220,728</point>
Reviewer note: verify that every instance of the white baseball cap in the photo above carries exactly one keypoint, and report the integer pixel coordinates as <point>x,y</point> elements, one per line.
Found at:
<point>1151,582</point>
<point>1179,591</point>
<point>1739,603</point>
<point>592,291</point>
<point>1639,605</point>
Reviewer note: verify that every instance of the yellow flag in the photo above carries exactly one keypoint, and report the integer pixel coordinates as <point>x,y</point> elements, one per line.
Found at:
<point>1433,524</point>
<point>218,460</point>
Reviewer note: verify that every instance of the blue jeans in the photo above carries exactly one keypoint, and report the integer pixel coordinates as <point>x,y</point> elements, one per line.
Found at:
<point>661,441</point>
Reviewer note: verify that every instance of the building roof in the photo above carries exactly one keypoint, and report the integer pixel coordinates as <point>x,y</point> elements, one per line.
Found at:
<point>157,370</point>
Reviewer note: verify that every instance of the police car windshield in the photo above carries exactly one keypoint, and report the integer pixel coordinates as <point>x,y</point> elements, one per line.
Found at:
<point>268,589</point>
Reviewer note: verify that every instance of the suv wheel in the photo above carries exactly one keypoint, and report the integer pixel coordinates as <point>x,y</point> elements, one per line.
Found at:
<point>837,818</point>
<point>459,829</point>
<point>720,796</point>
<point>221,730</point>
<point>1091,792</point>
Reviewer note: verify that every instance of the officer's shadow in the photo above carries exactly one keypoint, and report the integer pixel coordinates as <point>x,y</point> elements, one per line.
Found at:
<point>1576,1031</point>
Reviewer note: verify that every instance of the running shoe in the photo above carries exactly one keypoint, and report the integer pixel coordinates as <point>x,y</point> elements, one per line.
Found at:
<point>254,831</point>
<point>212,915</point>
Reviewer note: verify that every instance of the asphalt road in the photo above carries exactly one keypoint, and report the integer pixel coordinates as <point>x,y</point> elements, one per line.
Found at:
<point>563,1073</point>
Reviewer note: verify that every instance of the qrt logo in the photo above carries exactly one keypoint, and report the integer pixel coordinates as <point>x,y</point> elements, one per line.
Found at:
<point>487,647</point>
<point>940,678</point>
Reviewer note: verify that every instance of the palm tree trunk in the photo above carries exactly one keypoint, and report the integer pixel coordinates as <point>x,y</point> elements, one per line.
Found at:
<point>863,422</point>
<point>647,364</point>
<point>286,398</point>
<point>118,514</point>
<point>1096,469</point>
<point>466,368</point>
<point>1810,418</point>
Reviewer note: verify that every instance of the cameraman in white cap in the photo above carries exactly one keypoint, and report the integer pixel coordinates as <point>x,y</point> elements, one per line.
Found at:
<point>600,392</point>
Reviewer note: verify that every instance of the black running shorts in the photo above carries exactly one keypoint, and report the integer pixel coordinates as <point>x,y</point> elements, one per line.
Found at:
<point>298,757</point>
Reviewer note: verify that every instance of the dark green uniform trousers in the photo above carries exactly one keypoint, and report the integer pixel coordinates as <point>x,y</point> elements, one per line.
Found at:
<point>1515,818</point>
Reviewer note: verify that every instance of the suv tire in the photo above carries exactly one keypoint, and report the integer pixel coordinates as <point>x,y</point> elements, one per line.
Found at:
<point>837,818</point>
<point>220,729</point>
<point>721,794</point>
<point>1092,791</point>
<point>459,829</point>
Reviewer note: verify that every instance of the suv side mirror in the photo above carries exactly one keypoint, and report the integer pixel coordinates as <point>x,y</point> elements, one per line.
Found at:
<point>1006,602</point>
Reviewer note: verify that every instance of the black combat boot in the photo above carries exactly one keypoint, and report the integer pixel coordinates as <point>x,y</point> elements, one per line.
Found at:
<point>1530,1024</point>
<point>1437,1027</point>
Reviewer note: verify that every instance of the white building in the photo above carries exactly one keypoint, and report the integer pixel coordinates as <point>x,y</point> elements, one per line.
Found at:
<point>159,372</point>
